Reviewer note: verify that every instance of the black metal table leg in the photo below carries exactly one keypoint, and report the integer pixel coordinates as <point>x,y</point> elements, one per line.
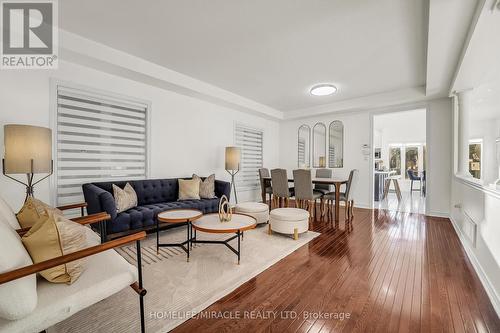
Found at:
<point>157,237</point>
<point>239,250</point>
<point>188,238</point>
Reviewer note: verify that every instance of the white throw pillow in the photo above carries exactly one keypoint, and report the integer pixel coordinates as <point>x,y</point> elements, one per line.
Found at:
<point>8,215</point>
<point>18,298</point>
<point>124,199</point>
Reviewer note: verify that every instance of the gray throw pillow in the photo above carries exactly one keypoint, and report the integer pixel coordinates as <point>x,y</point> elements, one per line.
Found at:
<point>207,186</point>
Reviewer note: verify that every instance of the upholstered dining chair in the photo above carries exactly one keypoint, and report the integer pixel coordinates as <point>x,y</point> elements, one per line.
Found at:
<point>346,197</point>
<point>263,173</point>
<point>414,178</point>
<point>305,195</point>
<point>281,191</point>
<point>323,173</point>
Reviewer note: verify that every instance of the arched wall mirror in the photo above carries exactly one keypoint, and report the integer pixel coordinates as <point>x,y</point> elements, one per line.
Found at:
<point>336,145</point>
<point>319,145</point>
<point>304,146</point>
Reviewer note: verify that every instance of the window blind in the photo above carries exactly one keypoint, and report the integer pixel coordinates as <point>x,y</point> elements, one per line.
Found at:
<point>250,142</point>
<point>98,139</point>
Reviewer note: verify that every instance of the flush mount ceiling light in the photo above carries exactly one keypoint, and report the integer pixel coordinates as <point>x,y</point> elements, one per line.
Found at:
<point>323,90</point>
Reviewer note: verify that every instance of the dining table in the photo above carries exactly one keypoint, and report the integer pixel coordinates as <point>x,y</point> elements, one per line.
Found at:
<point>337,182</point>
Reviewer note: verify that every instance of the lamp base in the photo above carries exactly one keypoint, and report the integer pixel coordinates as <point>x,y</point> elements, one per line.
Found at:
<point>233,184</point>
<point>30,184</point>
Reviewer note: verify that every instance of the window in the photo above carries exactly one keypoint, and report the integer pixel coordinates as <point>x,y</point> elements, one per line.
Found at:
<point>475,151</point>
<point>395,159</point>
<point>251,143</point>
<point>99,138</point>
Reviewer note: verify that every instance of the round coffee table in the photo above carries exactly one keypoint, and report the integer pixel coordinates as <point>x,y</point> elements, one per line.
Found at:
<point>177,216</point>
<point>210,223</point>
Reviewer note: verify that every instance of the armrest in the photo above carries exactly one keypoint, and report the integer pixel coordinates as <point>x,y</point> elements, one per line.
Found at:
<point>41,266</point>
<point>222,188</point>
<point>73,206</point>
<point>94,218</point>
<point>89,219</point>
<point>99,200</point>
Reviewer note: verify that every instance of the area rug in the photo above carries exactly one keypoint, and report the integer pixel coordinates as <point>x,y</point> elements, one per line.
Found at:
<point>178,289</point>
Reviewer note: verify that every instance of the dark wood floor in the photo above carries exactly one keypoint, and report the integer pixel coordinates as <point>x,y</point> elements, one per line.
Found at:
<point>394,272</point>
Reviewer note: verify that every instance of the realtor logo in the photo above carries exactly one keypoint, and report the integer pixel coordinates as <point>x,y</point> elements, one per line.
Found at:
<point>29,35</point>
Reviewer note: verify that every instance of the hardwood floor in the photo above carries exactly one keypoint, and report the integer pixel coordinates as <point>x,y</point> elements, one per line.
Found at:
<point>394,272</point>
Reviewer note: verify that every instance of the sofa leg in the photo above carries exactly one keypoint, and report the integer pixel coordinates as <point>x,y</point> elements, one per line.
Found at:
<point>269,231</point>
<point>295,233</point>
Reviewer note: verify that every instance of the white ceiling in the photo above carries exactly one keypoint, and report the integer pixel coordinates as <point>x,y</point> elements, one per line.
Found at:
<point>486,100</point>
<point>269,51</point>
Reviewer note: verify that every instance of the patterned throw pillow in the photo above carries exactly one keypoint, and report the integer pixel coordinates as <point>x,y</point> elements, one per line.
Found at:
<point>189,189</point>
<point>54,237</point>
<point>207,186</point>
<point>124,199</point>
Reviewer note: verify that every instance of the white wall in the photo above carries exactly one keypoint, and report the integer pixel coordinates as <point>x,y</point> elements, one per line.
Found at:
<point>439,156</point>
<point>187,134</point>
<point>357,129</point>
<point>356,133</point>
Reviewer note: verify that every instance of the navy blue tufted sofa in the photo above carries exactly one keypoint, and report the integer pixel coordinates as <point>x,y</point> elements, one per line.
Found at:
<point>154,196</point>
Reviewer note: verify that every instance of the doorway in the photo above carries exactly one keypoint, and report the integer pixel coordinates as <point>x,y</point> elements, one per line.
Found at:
<point>399,170</point>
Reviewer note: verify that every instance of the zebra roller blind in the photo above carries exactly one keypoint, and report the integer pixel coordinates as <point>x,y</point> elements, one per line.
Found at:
<point>251,143</point>
<point>98,138</point>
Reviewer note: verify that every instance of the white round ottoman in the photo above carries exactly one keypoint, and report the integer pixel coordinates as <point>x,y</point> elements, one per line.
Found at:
<point>260,211</point>
<point>291,221</point>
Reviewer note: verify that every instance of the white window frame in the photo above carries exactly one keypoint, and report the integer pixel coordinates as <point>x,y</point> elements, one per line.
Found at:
<point>54,85</point>
<point>239,184</point>
<point>479,141</point>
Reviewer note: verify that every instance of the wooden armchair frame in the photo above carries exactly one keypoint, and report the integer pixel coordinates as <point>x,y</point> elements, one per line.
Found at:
<point>90,219</point>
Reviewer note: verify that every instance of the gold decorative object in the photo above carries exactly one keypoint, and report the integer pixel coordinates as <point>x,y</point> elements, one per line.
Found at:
<point>225,211</point>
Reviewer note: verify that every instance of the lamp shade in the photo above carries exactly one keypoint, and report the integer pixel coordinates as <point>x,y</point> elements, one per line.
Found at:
<point>233,158</point>
<point>24,144</point>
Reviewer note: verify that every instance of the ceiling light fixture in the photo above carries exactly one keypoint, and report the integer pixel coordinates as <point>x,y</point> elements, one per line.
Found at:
<point>323,90</point>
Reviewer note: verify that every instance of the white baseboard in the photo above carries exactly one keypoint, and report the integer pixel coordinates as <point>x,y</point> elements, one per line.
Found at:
<point>437,214</point>
<point>485,281</point>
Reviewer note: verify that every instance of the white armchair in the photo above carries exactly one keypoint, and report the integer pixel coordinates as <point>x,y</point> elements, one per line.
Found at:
<point>106,274</point>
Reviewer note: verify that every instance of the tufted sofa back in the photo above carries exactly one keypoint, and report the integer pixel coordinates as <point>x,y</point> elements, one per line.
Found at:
<point>149,191</point>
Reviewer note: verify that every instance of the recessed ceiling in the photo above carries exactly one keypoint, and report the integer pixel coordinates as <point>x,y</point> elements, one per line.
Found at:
<point>268,51</point>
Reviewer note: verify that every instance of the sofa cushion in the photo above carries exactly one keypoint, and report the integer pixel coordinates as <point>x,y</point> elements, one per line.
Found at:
<point>143,216</point>
<point>106,274</point>
<point>207,186</point>
<point>7,215</point>
<point>18,298</point>
<point>189,189</point>
<point>53,238</point>
<point>125,198</point>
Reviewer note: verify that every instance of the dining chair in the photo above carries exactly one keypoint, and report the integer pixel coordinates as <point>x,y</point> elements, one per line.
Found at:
<point>323,173</point>
<point>263,173</point>
<point>345,197</point>
<point>414,178</point>
<point>305,195</point>
<point>281,191</point>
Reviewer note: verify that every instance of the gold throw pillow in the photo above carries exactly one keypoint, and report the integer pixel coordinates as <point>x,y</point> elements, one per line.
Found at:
<point>124,199</point>
<point>32,212</point>
<point>207,186</point>
<point>54,237</point>
<point>189,189</point>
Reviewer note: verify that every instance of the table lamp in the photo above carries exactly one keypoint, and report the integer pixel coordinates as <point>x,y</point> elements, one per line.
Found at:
<point>28,150</point>
<point>233,158</point>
